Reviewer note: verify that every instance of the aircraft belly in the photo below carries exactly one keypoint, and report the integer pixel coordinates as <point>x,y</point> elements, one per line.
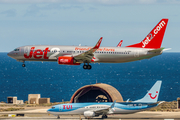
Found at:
<point>114,58</point>
<point>122,58</point>
<point>123,111</point>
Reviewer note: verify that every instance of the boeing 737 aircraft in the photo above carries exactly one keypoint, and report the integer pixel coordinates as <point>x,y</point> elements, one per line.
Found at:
<point>75,55</point>
<point>90,110</point>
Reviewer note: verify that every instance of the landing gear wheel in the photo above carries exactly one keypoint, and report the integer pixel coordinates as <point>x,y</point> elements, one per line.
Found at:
<point>104,116</point>
<point>85,66</point>
<point>89,67</point>
<point>23,65</point>
<point>58,117</point>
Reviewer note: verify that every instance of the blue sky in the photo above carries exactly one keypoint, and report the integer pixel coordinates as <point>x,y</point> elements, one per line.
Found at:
<point>74,22</point>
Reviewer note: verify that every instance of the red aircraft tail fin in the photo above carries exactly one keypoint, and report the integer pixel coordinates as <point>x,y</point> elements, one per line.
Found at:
<point>154,38</point>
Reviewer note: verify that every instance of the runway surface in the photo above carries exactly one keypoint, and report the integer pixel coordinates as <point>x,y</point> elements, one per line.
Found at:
<point>41,114</point>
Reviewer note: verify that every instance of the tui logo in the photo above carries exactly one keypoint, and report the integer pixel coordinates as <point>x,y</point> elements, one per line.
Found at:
<point>150,94</point>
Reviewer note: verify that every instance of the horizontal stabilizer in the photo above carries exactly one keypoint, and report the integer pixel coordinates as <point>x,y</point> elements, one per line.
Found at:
<point>166,49</point>
<point>156,50</point>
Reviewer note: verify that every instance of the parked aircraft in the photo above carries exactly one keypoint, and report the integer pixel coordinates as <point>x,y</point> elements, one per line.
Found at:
<point>90,110</point>
<point>75,55</point>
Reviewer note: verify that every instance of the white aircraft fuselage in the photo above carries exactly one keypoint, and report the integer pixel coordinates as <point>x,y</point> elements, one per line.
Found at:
<point>102,55</point>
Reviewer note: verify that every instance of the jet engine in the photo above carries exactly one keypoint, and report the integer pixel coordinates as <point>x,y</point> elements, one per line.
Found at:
<point>66,60</point>
<point>89,114</point>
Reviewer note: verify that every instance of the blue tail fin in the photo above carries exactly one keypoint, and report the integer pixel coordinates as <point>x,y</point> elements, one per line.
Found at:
<point>152,95</point>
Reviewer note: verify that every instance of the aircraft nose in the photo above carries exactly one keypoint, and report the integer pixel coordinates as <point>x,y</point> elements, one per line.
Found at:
<point>9,54</point>
<point>48,111</point>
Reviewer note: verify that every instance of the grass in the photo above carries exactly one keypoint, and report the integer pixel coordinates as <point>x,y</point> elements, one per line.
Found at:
<point>166,106</point>
<point>10,109</point>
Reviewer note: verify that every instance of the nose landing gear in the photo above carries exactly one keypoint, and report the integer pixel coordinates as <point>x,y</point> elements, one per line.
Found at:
<point>104,116</point>
<point>23,65</point>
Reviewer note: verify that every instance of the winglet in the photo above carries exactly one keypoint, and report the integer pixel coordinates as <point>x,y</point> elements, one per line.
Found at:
<point>112,106</point>
<point>111,109</point>
<point>127,100</point>
<point>98,43</point>
<point>120,43</point>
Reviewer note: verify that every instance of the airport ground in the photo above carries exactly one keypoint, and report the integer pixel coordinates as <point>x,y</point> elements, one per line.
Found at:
<point>39,113</point>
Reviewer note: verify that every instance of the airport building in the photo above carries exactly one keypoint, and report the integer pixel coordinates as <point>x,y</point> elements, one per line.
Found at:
<point>36,99</point>
<point>14,100</point>
<point>99,92</point>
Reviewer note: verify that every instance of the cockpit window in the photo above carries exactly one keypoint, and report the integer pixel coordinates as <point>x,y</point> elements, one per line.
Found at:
<point>16,49</point>
<point>53,107</point>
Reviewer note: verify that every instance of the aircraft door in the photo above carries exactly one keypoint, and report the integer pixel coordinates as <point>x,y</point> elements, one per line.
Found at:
<point>26,50</point>
<point>136,53</point>
<point>60,108</point>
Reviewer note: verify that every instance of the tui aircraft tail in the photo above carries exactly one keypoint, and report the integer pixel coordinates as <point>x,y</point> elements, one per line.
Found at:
<point>154,39</point>
<point>152,95</point>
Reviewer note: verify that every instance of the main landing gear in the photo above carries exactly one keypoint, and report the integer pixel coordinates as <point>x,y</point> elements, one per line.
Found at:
<point>104,116</point>
<point>87,66</point>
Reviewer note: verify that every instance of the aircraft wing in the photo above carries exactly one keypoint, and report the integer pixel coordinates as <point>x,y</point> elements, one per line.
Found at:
<point>105,110</point>
<point>88,55</point>
<point>101,111</point>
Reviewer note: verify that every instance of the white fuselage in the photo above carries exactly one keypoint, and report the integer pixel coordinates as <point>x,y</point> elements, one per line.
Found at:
<point>102,55</point>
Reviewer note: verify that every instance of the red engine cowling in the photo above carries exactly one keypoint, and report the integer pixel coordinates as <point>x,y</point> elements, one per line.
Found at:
<point>65,60</point>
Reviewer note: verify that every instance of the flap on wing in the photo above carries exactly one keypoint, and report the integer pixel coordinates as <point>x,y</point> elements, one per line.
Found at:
<point>101,111</point>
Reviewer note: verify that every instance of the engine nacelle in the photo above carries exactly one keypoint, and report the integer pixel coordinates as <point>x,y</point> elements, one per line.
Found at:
<point>65,60</point>
<point>89,114</point>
